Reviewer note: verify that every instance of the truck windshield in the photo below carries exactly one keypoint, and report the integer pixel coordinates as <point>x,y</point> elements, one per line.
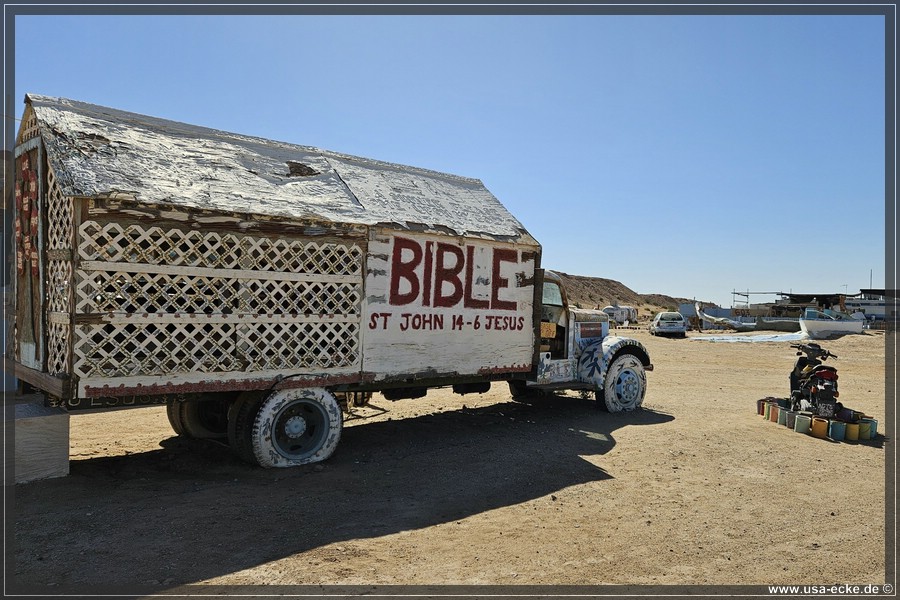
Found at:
<point>552,295</point>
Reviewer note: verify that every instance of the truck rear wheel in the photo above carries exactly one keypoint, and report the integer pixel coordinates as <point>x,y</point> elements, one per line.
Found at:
<point>173,411</point>
<point>296,427</point>
<point>203,418</point>
<point>518,389</point>
<point>241,414</point>
<point>625,384</point>
<point>523,394</point>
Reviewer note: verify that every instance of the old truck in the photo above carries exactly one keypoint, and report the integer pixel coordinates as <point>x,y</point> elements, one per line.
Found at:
<point>260,288</point>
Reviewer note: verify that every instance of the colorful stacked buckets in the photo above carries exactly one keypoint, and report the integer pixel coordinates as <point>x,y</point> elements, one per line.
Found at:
<point>848,425</point>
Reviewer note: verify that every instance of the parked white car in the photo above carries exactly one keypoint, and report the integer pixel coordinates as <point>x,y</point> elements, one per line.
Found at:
<point>668,323</point>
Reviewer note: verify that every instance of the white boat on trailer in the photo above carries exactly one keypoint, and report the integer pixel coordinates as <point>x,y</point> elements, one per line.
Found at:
<point>820,325</point>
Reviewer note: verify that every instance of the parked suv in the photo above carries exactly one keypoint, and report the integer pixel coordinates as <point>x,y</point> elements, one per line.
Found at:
<point>668,323</point>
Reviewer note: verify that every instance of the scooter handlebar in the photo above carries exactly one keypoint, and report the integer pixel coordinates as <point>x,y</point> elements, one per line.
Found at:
<point>814,349</point>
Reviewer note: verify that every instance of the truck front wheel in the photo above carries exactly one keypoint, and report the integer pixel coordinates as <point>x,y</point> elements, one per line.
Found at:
<point>625,384</point>
<point>296,427</point>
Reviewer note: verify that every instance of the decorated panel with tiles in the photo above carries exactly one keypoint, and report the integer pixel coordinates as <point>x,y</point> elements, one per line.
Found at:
<point>172,303</point>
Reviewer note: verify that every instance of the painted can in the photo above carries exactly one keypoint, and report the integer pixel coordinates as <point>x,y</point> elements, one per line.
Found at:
<point>761,406</point>
<point>845,414</point>
<point>873,428</point>
<point>819,427</point>
<point>837,430</point>
<point>791,418</point>
<point>766,408</point>
<point>784,403</point>
<point>865,429</point>
<point>773,413</point>
<point>852,432</point>
<point>782,416</point>
<point>802,423</point>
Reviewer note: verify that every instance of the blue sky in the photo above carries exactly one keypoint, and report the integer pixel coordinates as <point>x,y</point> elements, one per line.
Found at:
<point>683,155</point>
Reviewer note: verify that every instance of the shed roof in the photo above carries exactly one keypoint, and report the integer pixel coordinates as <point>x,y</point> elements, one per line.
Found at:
<point>100,152</point>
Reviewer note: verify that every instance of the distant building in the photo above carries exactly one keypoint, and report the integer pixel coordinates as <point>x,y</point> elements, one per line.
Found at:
<point>620,314</point>
<point>871,302</point>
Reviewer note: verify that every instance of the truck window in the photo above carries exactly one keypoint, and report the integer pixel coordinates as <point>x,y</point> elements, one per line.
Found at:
<point>552,295</point>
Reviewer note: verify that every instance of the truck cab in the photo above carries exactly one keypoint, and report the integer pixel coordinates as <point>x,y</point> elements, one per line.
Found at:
<point>575,351</point>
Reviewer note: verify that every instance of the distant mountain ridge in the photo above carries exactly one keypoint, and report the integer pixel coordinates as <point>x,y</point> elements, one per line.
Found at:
<point>597,292</point>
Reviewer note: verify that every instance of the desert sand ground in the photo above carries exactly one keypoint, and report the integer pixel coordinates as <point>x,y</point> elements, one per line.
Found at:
<point>696,488</point>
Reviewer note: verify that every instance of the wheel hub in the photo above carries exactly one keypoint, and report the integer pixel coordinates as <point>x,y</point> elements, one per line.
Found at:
<point>295,427</point>
<point>627,387</point>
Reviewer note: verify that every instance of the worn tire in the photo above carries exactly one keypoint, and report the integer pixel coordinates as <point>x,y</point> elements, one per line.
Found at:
<point>205,419</point>
<point>296,427</point>
<point>517,389</point>
<point>625,384</point>
<point>241,414</point>
<point>173,412</point>
<point>524,394</point>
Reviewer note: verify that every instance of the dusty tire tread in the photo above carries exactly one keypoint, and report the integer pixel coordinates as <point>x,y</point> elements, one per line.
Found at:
<point>241,415</point>
<point>622,362</point>
<point>266,423</point>
<point>173,412</point>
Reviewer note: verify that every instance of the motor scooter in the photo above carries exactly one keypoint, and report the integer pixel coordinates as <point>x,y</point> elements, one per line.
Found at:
<point>814,385</point>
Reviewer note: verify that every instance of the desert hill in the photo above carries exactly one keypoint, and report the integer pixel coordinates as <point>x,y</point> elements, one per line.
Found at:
<point>597,292</point>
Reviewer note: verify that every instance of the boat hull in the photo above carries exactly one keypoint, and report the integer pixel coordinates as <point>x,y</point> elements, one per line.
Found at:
<point>825,328</point>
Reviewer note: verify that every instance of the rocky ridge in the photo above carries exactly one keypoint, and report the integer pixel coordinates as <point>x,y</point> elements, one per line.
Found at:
<point>597,292</point>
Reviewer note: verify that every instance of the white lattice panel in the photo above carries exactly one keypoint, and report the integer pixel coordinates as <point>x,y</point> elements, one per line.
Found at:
<point>267,304</point>
<point>123,350</point>
<point>59,277</point>
<point>267,254</point>
<point>58,348</point>
<point>124,292</point>
<point>60,232</point>
<point>304,298</point>
<point>60,227</point>
<point>117,350</point>
<point>276,346</point>
<point>114,242</point>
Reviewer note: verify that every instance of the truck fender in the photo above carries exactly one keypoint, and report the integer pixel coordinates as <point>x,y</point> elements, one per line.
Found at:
<point>597,355</point>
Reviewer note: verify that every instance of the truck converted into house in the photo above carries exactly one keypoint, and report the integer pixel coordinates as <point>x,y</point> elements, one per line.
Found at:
<point>257,287</point>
